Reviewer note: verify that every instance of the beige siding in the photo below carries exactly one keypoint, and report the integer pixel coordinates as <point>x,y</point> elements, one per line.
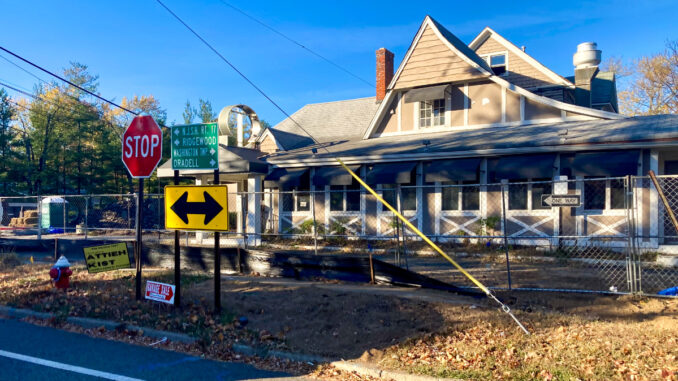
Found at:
<point>407,117</point>
<point>512,107</point>
<point>485,103</point>
<point>456,106</point>
<point>268,145</point>
<point>433,62</point>
<point>521,73</point>
<point>534,111</point>
<point>390,121</point>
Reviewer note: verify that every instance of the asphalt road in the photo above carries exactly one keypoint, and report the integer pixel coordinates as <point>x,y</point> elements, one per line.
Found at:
<point>29,352</point>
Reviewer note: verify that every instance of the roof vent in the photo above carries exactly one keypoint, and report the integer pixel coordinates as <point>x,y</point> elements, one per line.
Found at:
<point>587,55</point>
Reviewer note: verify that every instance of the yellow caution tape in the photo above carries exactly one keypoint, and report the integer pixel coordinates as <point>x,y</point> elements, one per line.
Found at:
<point>414,229</point>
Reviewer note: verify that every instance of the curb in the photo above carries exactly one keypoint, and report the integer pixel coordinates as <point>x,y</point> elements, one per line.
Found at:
<point>372,371</point>
<point>95,323</point>
<point>348,366</point>
<point>264,353</point>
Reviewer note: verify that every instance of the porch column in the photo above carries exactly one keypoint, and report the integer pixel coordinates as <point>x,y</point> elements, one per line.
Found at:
<point>655,205</point>
<point>254,195</point>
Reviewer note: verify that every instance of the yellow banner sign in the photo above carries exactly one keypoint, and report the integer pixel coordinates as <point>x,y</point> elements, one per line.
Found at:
<point>196,207</point>
<point>106,257</point>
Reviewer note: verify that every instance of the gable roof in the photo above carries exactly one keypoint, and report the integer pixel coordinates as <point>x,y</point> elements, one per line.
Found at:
<point>489,33</point>
<point>451,41</point>
<point>479,64</point>
<point>330,121</point>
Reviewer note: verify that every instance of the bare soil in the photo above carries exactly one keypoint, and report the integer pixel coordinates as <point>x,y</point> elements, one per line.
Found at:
<point>573,336</point>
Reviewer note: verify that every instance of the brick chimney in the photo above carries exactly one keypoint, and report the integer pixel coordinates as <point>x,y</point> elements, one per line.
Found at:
<point>384,72</point>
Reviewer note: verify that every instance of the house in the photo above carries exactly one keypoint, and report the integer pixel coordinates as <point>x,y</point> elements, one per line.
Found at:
<point>458,133</point>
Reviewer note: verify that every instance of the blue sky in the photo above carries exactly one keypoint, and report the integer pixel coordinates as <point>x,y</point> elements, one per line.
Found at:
<point>136,47</point>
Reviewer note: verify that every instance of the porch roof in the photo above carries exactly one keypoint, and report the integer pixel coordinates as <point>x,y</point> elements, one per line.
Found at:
<point>635,132</point>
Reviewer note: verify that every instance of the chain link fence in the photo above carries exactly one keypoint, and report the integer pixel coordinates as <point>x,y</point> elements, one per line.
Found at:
<point>620,237</point>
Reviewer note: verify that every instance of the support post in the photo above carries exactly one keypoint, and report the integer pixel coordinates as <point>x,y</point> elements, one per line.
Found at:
<point>87,199</point>
<point>315,226</point>
<point>217,262</point>
<point>63,209</point>
<point>506,248</point>
<point>177,258</point>
<point>138,247</point>
<point>39,216</point>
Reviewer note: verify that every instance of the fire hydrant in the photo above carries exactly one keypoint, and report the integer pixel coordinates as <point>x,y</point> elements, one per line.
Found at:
<point>61,273</point>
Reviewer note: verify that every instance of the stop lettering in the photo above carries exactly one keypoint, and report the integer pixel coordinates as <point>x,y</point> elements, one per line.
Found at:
<point>142,146</point>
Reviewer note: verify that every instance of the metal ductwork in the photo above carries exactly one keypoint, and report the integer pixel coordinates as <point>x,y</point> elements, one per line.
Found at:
<point>224,117</point>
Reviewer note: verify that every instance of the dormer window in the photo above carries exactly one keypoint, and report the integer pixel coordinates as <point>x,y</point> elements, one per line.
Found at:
<point>432,113</point>
<point>498,62</point>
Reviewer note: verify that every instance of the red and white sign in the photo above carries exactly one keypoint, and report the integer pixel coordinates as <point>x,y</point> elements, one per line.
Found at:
<point>160,292</point>
<point>142,146</point>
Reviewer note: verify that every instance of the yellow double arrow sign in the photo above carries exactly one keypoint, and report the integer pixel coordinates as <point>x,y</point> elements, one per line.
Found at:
<point>196,207</point>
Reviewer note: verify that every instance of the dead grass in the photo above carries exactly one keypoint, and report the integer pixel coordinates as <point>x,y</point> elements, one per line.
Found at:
<point>574,336</point>
<point>619,338</point>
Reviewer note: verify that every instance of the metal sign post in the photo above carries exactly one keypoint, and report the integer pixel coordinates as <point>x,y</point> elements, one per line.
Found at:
<point>137,248</point>
<point>217,258</point>
<point>141,153</point>
<point>177,259</point>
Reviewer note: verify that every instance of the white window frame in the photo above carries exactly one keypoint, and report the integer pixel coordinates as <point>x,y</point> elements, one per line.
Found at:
<point>460,196</point>
<point>295,198</point>
<point>529,204</point>
<point>487,57</point>
<point>344,199</point>
<point>608,194</point>
<point>443,114</point>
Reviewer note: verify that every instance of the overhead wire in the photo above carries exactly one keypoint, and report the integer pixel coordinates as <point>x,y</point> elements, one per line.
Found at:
<point>40,98</point>
<point>295,42</point>
<point>67,81</point>
<point>23,69</point>
<point>481,286</point>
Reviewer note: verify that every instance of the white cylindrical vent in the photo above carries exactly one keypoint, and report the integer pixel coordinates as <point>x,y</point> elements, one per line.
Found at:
<point>587,55</point>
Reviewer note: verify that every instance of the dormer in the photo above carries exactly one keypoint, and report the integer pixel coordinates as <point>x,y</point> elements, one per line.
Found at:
<point>444,85</point>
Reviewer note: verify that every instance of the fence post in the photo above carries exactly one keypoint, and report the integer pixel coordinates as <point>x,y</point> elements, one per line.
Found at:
<point>39,217</point>
<point>504,230</point>
<point>315,227</point>
<point>87,199</point>
<point>64,213</point>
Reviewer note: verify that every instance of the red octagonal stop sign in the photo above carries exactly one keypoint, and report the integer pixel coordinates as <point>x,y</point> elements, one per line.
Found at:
<point>142,146</point>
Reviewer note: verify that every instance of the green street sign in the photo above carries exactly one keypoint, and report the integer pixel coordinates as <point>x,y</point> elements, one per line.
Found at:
<point>195,146</point>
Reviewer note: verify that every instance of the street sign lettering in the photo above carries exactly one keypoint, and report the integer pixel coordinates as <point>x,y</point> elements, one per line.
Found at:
<point>160,292</point>
<point>142,147</point>
<point>106,257</point>
<point>196,207</point>
<point>556,200</point>
<point>195,146</point>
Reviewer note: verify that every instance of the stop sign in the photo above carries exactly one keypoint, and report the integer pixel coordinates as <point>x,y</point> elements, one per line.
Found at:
<point>142,146</point>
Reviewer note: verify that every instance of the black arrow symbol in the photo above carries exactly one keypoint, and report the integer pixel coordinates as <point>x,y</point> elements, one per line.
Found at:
<point>210,207</point>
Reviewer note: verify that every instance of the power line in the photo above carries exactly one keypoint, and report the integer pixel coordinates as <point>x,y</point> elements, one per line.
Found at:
<point>22,69</point>
<point>234,68</point>
<point>290,39</point>
<point>37,97</point>
<point>69,82</point>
